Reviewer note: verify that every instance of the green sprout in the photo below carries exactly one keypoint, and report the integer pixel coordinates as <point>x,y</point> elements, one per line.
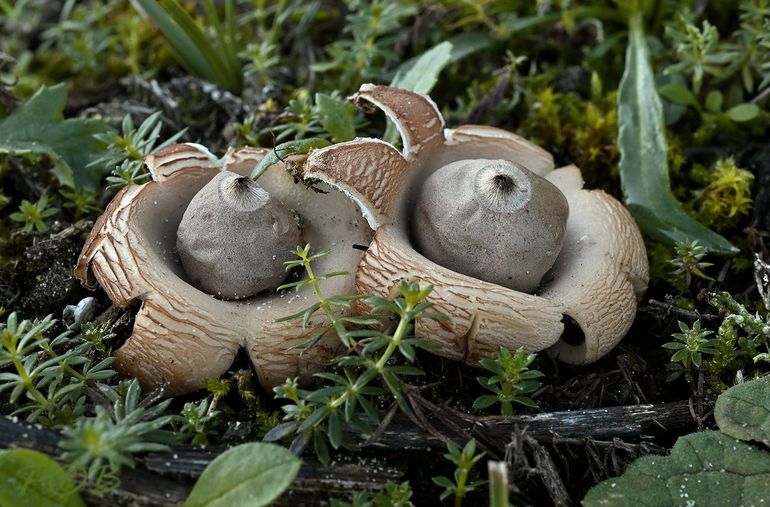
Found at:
<point>687,261</point>
<point>691,345</point>
<point>80,202</point>
<point>464,461</point>
<point>302,119</point>
<point>47,379</point>
<point>127,173</point>
<point>199,421</point>
<point>511,383</point>
<point>125,152</point>
<point>262,58</point>
<point>698,52</point>
<point>33,215</point>
<point>99,446</point>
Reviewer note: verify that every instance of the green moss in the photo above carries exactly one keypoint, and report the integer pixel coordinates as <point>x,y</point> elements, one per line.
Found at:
<point>726,199</point>
<point>579,131</point>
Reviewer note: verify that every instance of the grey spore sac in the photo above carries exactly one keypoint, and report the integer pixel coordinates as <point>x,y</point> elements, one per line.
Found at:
<point>234,238</point>
<point>491,219</point>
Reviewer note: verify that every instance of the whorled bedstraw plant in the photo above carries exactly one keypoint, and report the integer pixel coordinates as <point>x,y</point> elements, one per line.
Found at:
<point>518,253</point>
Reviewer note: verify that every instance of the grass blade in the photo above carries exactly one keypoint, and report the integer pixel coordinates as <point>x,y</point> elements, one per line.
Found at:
<point>182,45</point>
<point>643,163</point>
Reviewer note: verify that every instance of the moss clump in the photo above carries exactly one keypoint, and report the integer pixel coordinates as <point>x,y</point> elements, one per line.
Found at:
<point>726,198</point>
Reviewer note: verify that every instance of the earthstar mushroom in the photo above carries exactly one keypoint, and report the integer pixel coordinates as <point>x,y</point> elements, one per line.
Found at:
<point>183,336</point>
<point>595,282</point>
<point>491,219</point>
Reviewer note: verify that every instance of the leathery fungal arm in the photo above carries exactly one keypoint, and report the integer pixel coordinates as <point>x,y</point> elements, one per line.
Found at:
<point>519,254</point>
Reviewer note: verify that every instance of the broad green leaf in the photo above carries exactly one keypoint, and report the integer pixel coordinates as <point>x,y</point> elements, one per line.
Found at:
<point>463,45</point>
<point>249,475</point>
<point>420,77</point>
<point>678,94</point>
<point>743,411</point>
<point>743,112</point>
<point>643,163</point>
<point>335,117</point>
<point>39,126</point>
<point>30,478</point>
<point>704,469</point>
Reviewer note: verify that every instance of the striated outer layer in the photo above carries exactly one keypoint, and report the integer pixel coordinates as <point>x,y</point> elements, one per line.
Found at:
<point>182,336</point>
<point>601,272</point>
<point>483,316</point>
<point>599,276</point>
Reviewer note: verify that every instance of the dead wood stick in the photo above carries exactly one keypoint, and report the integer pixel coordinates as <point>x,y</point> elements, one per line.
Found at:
<point>166,478</point>
<point>630,422</point>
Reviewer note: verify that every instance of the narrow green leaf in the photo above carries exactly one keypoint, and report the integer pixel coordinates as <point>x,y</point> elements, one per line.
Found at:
<point>281,431</point>
<point>215,60</point>
<point>643,163</point>
<point>423,73</point>
<point>335,117</point>
<point>406,370</point>
<point>30,478</point>
<point>183,47</point>
<point>498,484</point>
<point>442,481</point>
<point>39,126</point>
<point>466,44</point>
<point>392,383</point>
<point>315,418</point>
<point>714,101</point>
<point>252,474</point>
<point>335,429</point>
<point>319,444</point>
<point>485,401</point>
<point>678,94</point>
<point>300,146</point>
<point>226,35</point>
<point>743,411</point>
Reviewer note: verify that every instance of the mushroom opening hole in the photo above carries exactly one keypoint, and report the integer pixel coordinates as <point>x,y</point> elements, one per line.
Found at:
<point>503,183</point>
<point>573,334</point>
